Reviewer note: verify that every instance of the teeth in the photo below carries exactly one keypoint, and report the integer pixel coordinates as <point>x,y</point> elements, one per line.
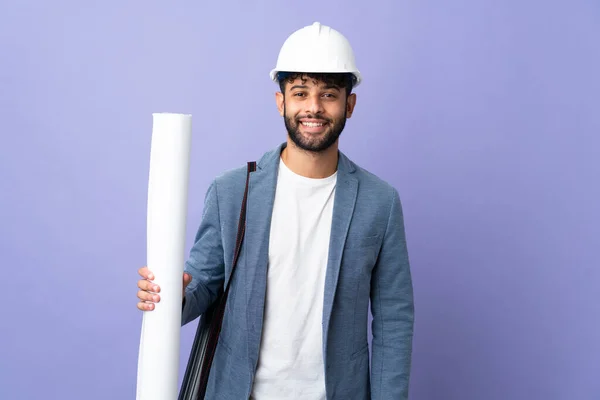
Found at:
<point>312,124</point>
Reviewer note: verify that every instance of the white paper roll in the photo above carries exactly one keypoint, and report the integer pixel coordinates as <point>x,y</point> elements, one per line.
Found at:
<point>158,361</point>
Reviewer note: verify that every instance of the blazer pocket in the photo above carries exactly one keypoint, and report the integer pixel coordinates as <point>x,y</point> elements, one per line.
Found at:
<point>355,241</point>
<point>360,352</point>
<point>222,342</point>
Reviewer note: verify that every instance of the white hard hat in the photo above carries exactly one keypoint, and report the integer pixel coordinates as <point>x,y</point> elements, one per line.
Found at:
<point>316,48</point>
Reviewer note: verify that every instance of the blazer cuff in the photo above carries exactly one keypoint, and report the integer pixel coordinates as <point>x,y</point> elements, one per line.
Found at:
<point>187,306</point>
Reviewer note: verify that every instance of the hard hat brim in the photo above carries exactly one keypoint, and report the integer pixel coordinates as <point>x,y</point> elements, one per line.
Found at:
<point>357,75</point>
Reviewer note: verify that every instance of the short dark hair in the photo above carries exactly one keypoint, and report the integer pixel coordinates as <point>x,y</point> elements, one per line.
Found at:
<point>342,80</point>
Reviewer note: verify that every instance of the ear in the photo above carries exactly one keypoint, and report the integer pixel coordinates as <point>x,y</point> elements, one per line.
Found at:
<point>279,99</point>
<point>350,103</point>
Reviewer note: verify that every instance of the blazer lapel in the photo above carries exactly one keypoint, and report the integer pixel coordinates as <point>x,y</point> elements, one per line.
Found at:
<point>261,196</point>
<point>343,209</point>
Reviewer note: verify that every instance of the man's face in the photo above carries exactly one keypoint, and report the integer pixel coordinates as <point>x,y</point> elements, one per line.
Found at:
<point>314,114</point>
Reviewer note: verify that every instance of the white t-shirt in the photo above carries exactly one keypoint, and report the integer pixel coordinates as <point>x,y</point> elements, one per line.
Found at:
<point>290,364</point>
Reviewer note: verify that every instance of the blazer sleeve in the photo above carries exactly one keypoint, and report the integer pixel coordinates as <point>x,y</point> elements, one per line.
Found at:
<point>392,308</point>
<point>205,263</point>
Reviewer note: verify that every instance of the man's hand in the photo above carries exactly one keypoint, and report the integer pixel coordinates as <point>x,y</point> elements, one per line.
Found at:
<point>148,293</point>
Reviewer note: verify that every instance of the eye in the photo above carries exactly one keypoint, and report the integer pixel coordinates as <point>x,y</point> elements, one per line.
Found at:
<point>329,95</point>
<point>298,94</point>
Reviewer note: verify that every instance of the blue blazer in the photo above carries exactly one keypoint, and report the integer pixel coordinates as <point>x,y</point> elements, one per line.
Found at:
<point>368,261</point>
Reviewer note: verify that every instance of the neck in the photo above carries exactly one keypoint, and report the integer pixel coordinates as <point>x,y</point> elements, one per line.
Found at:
<point>308,164</point>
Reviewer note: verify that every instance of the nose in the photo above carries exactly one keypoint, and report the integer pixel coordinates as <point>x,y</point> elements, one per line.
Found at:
<point>314,104</point>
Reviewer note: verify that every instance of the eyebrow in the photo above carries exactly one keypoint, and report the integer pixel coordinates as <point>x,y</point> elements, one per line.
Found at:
<point>326,87</point>
<point>299,87</point>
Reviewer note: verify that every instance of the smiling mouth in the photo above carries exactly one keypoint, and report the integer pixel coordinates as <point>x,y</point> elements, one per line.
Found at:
<point>312,124</point>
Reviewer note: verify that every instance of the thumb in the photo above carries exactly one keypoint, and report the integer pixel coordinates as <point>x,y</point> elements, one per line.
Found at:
<point>187,278</point>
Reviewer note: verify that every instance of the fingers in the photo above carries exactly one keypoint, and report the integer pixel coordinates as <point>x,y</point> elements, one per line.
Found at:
<point>146,296</point>
<point>148,286</point>
<point>145,306</point>
<point>146,273</point>
<point>148,290</point>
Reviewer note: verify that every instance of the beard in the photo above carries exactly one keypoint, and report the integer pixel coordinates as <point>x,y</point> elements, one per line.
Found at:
<point>315,144</point>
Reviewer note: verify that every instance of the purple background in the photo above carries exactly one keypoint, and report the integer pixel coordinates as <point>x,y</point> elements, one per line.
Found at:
<point>484,115</point>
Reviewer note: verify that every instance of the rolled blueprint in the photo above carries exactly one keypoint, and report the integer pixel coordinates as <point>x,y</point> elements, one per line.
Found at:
<point>158,360</point>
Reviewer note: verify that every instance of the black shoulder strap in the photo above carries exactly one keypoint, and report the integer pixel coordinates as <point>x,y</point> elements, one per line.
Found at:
<point>215,327</point>
<point>241,225</point>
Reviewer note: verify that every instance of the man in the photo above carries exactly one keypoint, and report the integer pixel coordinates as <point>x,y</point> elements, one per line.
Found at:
<point>323,238</point>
